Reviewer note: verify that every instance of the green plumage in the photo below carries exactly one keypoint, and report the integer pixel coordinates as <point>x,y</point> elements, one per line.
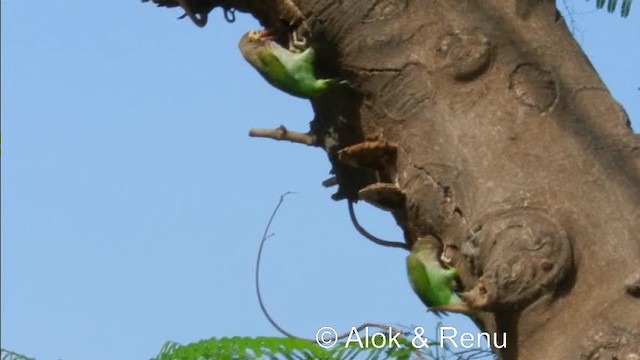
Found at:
<point>288,71</point>
<point>429,279</point>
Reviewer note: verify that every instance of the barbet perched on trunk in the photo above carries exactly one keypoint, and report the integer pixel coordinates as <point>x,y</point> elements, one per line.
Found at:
<point>289,71</point>
<point>433,284</point>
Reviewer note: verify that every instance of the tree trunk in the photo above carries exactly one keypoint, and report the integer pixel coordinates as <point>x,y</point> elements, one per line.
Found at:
<point>483,123</point>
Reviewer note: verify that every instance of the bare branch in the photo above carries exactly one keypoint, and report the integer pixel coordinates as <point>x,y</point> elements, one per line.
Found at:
<point>332,181</point>
<point>265,236</point>
<point>281,133</point>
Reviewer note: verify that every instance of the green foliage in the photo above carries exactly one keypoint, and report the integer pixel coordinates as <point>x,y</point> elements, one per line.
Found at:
<point>243,348</point>
<point>273,348</point>
<point>10,355</point>
<point>613,4</point>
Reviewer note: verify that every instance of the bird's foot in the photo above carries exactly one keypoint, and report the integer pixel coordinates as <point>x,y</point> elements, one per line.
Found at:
<point>445,257</point>
<point>297,42</point>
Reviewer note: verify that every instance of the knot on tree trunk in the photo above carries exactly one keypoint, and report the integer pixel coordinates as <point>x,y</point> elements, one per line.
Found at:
<point>465,54</point>
<point>518,256</point>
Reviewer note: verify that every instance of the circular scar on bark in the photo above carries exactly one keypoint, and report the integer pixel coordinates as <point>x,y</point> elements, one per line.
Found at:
<point>519,256</point>
<point>534,87</point>
<point>466,54</point>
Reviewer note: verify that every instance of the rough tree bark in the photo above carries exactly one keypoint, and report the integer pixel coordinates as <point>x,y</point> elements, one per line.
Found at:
<point>483,123</point>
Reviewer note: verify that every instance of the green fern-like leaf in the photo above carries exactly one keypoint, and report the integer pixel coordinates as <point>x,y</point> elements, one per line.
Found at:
<point>243,348</point>
<point>276,348</point>
<point>613,4</point>
<point>10,355</point>
<point>233,348</point>
<point>626,8</point>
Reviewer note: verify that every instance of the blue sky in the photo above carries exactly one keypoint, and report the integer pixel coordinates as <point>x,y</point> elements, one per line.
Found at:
<point>133,200</point>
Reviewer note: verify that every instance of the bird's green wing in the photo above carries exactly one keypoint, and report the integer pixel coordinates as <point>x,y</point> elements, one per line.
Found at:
<point>441,284</point>
<point>418,277</point>
<point>272,64</point>
<point>297,63</point>
<point>431,282</point>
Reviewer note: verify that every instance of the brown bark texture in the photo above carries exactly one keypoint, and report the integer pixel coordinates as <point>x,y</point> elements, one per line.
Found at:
<point>483,123</point>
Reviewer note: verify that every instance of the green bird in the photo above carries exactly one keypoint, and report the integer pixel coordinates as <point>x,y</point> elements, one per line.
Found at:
<point>286,70</point>
<point>430,280</point>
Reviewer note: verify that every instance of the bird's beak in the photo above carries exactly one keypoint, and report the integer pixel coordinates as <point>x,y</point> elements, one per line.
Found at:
<point>267,34</point>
